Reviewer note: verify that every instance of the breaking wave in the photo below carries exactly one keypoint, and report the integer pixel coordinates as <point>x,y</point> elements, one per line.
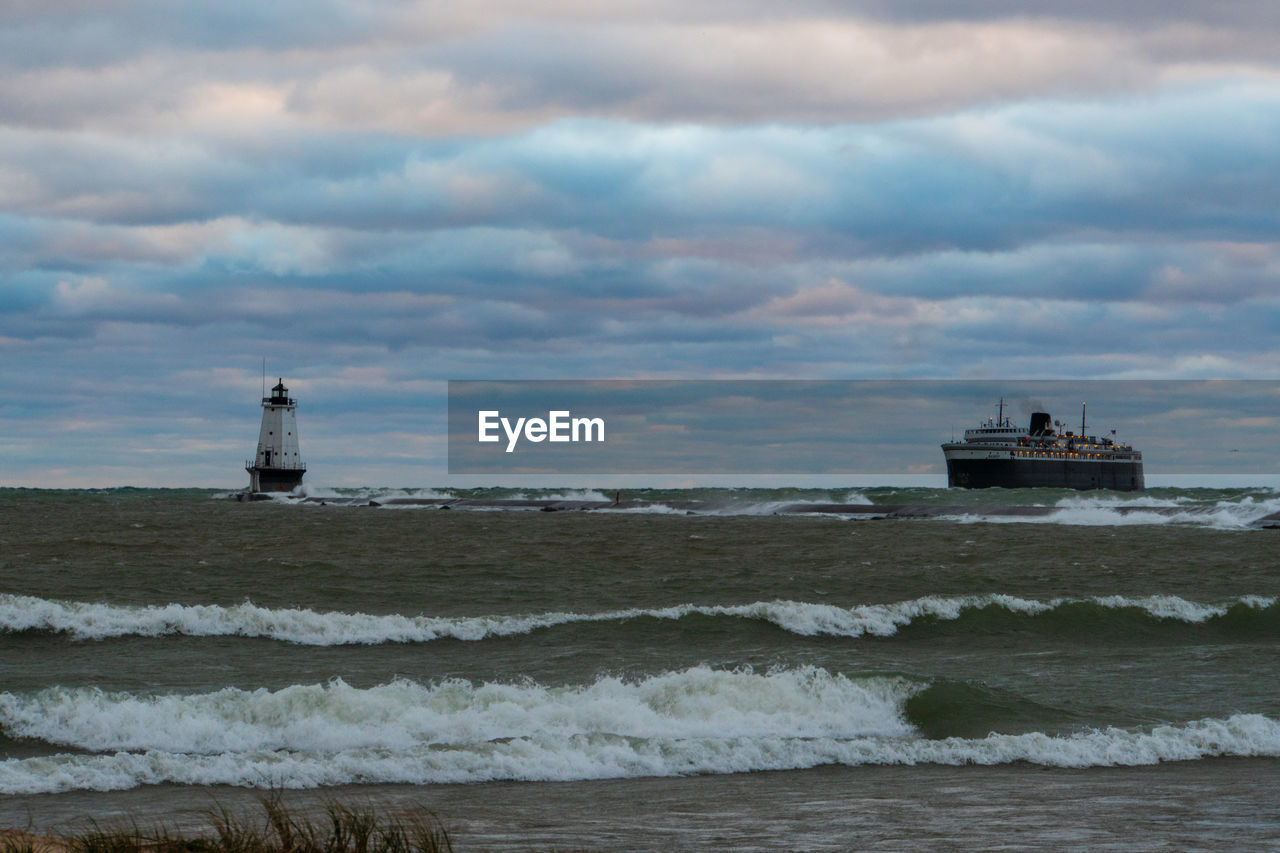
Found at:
<point>1231,509</point>
<point>698,720</point>
<point>984,613</point>
<point>1238,514</point>
<point>320,490</point>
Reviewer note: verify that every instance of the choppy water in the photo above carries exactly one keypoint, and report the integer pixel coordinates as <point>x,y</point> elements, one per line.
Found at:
<point>153,638</point>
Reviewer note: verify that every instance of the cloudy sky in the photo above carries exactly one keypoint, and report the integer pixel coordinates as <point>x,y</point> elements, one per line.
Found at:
<point>379,197</point>
<point>888,429</point>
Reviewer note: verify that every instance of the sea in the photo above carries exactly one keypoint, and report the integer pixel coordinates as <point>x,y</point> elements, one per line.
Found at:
<point>1102,677</point>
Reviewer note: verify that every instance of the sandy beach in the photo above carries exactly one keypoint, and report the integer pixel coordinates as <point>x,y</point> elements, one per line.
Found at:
<point>1180,805</point>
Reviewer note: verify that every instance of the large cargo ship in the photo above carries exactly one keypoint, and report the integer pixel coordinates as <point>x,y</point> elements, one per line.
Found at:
<point>997,453</point>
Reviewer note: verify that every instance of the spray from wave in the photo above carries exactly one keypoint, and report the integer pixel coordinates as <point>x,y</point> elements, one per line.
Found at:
<point>1223,515</point>
<point>322,491</point>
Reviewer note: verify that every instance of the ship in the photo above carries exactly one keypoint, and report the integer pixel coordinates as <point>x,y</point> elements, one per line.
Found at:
<point>277,466</point>
<point>999,454</point>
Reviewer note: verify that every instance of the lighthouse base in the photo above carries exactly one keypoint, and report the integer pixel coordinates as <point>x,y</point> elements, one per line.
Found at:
<point>274,479</point>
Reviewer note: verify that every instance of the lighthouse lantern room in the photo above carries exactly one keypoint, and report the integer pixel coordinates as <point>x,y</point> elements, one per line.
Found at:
<point>277,467</point>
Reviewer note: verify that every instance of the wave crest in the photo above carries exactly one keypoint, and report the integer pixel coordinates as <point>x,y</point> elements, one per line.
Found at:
<point>95,621</point>
<point>699,720</point>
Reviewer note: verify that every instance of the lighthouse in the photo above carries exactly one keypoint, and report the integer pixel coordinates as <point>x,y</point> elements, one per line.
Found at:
<point>277,466</point>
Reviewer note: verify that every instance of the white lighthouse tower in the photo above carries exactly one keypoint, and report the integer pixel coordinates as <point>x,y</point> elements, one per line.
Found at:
<point>277,466</point>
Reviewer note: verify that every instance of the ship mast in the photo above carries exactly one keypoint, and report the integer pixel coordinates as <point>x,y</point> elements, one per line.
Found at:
<point>1083,406</point>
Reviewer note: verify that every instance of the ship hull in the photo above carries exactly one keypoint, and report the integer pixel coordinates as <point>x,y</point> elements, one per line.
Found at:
<point>274,479</point>
<point>1080,474</point>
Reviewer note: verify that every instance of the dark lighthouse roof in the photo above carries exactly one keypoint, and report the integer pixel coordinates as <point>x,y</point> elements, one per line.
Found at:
<point>279,395</point>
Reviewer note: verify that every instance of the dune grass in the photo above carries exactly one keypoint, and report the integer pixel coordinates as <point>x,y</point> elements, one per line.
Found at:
<point>343,829</point>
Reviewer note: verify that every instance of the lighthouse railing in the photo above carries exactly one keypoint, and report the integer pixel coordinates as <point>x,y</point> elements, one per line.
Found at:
<point>249,465</point>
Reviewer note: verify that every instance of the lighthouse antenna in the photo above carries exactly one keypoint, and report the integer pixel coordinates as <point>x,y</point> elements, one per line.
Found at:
<point>264,376</point>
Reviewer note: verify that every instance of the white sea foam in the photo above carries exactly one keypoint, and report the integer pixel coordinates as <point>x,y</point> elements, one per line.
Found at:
<point>1095,509</point>
<point>698,720</point>
<point>696,703</point>
<point>294,625</point>
<point>1113,510</point>
<point>656,508</point>
<point>95,621</point>
<point>761,508</point>
<point>567,495</point>
<point>320,490</point>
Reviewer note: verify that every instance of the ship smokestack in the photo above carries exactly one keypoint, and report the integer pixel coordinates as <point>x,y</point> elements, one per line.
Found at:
<point>277,466</point>
<point>1040,424</point>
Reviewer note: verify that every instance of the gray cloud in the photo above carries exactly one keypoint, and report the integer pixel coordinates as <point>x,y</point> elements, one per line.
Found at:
<point>430,70</point>
<point>377,197</point>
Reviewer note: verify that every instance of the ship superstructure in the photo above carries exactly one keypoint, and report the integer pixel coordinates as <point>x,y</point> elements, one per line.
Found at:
<point>277,466</point>
<point>997,453</point>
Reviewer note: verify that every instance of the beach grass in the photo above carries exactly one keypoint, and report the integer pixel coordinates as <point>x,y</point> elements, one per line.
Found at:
<point>343,829</point>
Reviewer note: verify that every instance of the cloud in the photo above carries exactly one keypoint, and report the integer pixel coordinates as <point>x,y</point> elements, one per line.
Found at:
<point>811,69</point>
<point>431,70</point>
<point>377,197</point>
